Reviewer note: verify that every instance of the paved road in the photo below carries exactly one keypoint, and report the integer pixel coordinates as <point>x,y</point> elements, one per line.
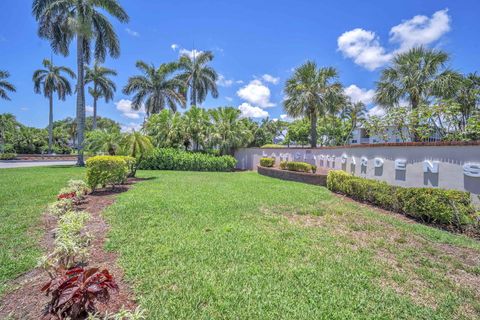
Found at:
<point>23,164</point>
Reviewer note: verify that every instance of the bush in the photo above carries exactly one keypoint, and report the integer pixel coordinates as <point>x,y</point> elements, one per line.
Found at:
<point>8,156</point>
<point>267,162</point>
<point>131,164</point>
<point>174,159</point>
<point>107,170</point>
<point>60,207</point>
<point>272,146</point>
<point>296,166</point>
<point>446,207</point>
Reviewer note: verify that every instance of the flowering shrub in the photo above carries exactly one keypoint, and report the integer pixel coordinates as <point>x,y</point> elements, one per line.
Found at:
<point>75,291</point>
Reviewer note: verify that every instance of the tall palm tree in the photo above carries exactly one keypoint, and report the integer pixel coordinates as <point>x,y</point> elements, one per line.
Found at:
<point>5,85</point>
<point>48,81</point>
<point>229,130</point>
<point>312,93</point>
<point>199,76</point>
<point>416,76</point>
<point>62,21</point>
<point>157,89</point>
<point>103,86</point>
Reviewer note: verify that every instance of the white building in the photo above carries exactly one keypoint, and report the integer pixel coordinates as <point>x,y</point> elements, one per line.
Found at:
<point>361,136</point>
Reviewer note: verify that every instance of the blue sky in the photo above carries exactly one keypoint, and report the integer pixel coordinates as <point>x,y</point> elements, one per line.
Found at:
<point>256,46</point>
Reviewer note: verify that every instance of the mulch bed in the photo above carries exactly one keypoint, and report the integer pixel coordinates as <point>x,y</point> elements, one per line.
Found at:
<point>26,301</point>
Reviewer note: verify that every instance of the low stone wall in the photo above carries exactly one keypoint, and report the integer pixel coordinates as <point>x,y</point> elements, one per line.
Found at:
<point>319,179</point>
<point>47,157</point>
<point>440,165</point>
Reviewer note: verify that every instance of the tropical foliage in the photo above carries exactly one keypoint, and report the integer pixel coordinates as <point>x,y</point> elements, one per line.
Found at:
<point>5,86</point>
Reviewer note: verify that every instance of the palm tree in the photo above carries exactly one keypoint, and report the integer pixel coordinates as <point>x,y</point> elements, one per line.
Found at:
<point>106,141</point>
<point>199,76</point>
<point>312,93</point>
<point>229,130</point>
<point>355,112</point>
<point>197,122</point>
<point>416,76</point>
<point>468,97</point>
<point>166,129</point>
<point>137,145</point>
<point>102,86</point>
<point>155,88</point>
<point>5,85</point>
<point>48,81</point>
<point>62,21</point>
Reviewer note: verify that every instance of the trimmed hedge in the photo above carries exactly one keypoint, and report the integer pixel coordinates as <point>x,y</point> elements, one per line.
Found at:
<point>273,146</point>
<point>107,170</point>
<point>446,207</point>
<point>267,162</point>
<point>174,159</point>
<point>297,166</point>
<point>8,156</point>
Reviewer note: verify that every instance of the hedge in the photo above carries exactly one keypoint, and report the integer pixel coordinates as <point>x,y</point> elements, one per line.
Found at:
<point>297,166</point>
<point>273,146</point>
<point>108,170</point>
<point>8,156</point>
<point>267,162</point>
<point>174,159</point>
<point>439,206</point>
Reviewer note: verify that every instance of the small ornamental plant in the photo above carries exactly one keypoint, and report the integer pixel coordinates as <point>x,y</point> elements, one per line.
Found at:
<point>66,195</point>
<point>267,162</point>
<point>75,291</point>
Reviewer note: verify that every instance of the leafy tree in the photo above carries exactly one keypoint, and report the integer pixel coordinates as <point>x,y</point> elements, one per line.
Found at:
<point>155,88</point>
<point>467,95</point>
<point>197,125</point>
<point>49,81</point>
<point>312,93</point>
<point>103,86</point>
<point>166,129</point>
<point>355,113</point>
<point>416,76</point>
<point>298,132</point>
<point>30,140</point>
<point>199,77</point>
<point>9,128</point>
<point>61,21</point>
<point>137,145</point>
<point>5,85</point>
<point>104,141</point>
<point>229,130</point>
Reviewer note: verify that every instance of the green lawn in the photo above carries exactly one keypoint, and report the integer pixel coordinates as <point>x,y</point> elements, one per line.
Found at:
<point>244,246</point>
<point>24,194</point>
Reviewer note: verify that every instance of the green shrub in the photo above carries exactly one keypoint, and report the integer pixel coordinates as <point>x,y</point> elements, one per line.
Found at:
<point>107,170</point>
<point>267,162</point>
<point>8,156</point>
<point>272,146</point>
<point>174,159</point>
<point>296,166</point>
<point>131,164</point>
<point>60,207</point>
<point>446,207</point>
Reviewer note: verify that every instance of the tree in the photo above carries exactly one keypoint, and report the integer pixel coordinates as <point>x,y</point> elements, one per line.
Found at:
<point>61,21</point>
<point>313,93</point>
<point>137,145</point>
<point>229,130</point>
<point>9,128</point>
<point>105,141</point>
<point>467,96</point>
<point>156,88</point>
<point>197,122</point>
<point>416,76</point>
<point>199,77</point>
<point>166,129</point>
<point>298,132</point>
<point>48,81</point>
<point>356,113</point>
<point>5,85</point>
<point>103,86</point>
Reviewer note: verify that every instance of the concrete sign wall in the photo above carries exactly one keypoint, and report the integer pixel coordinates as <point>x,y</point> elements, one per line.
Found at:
<point>445,166</point>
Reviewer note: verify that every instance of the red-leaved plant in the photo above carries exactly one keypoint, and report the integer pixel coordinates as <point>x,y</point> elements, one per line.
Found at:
<point>75,291</point>
<point>69,195</point>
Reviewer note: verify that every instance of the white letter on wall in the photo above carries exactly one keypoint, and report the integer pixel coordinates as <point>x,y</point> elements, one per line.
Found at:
<point>378,162</point>
<point>472,169</point>
<point>430,166</point>
<point>364,161</point>
<point>344,158</point>
<point>401,164</point>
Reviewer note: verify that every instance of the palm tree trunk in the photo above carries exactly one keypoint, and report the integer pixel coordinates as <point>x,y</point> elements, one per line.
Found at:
<point>94,125</point>
<point>80,102</point>
<point>50,123</point>
<point>313,130</point>
<point>194,96</point>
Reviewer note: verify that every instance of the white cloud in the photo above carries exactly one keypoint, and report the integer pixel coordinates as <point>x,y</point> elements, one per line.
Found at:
<point>239,81</point>
<point>271,79</point>
<point>256,93</point>
<point>174,46</point>
<point>376,111</point>
<point>286,117</point>
<point>128,127</point>
<point>125,107</point>
<point>24,108</point>
<point>190,53</point>
<point>132,32</point>
<point>249,111</point>
<point>229,99</point>
<point>89,109</point>
<point>357,94</point>
<point>224,82</point>
<point>420,30</point>
<point>364,47</point>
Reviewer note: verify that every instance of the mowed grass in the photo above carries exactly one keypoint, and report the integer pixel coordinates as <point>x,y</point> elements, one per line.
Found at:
<point>24,194</point>
<point>244,246</point>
